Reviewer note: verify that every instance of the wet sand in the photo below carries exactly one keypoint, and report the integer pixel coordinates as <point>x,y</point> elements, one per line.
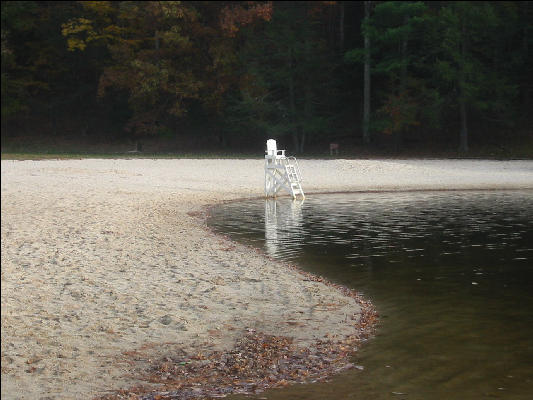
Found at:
<point>108,263</point>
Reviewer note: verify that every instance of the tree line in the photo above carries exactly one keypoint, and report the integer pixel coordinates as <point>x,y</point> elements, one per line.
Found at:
<point>233,73</point>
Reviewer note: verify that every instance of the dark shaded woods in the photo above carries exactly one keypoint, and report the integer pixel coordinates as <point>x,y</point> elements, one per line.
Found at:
<point>370,76</point>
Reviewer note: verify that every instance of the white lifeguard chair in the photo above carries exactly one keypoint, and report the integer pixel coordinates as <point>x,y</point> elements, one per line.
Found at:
<point>281,172</point>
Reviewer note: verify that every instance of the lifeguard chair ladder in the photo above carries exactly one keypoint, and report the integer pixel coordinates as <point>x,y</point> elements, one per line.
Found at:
<point>281,172</point>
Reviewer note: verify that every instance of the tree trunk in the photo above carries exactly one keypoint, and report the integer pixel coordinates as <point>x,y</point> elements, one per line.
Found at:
<point>341,26</point>
<point>463,142</point>
<point>526,83</point>
<point>292,110</point>
<point>398,139</point>
<point>302,141</point>
<point>366,90</point>
<point>463,136</point>
<point>292,106</point>
<point>156,47</point>
<point>307,111</point>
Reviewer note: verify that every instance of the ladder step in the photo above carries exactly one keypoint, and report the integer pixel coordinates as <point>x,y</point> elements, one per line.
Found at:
<point>275,178</point>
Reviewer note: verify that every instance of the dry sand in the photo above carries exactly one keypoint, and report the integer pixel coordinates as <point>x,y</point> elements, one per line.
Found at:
<point>102,257</point>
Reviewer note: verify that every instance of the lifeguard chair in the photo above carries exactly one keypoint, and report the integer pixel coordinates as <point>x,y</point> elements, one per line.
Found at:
<point>281,172</point>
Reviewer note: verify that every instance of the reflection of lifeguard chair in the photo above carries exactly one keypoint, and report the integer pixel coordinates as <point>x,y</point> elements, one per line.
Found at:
<point>283,225</point>
<point>281,172</point>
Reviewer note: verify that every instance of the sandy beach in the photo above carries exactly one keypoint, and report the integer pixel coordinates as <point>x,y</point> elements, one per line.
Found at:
<point>109,263</point>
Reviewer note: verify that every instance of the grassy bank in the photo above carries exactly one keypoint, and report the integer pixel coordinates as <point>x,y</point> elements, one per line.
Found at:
<point>64,148</point>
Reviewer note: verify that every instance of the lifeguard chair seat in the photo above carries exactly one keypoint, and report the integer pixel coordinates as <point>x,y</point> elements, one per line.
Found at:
<point>272,150</point>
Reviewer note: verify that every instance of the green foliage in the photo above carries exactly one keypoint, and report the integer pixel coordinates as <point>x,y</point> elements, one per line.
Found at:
<point>429,57</point>
<point>417,105</point>
<point>164,54</point>
<point>396,31</point>
<point>17,18</point>
<point>466,58</point>
<point>245,71</point>
<point>287,72</point>
<point>355,56</point>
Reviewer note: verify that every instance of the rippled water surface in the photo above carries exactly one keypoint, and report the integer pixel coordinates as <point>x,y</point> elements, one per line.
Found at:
<point>450,273</point>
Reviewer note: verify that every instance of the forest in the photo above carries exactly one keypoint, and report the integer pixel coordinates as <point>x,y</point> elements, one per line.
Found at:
<point>376,77</point>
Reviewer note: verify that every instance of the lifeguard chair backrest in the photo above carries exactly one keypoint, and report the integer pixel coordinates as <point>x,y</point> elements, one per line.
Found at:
<point>272,147</point>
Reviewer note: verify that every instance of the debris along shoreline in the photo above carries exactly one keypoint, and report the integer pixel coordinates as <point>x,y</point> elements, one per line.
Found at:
<point>258,361</point>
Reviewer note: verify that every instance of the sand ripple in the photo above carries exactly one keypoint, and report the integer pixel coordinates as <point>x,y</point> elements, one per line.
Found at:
<point>103,257</point>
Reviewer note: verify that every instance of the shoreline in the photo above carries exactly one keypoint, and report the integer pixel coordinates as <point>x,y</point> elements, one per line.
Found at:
<point>246,368</point>
<point>109,255</point>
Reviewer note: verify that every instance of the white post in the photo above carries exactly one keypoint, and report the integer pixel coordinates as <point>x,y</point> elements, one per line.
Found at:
<point>281,172</point>
<point>270,167</point>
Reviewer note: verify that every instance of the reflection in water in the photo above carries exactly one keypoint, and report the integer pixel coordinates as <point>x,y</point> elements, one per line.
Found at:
<point>450,273</point>
<point>283,223</point>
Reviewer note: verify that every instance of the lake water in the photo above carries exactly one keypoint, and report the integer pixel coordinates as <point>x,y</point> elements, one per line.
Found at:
<point>450,274</point>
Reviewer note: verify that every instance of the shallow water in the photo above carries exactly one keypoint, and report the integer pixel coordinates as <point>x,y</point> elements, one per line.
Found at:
<point>450,273</point>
